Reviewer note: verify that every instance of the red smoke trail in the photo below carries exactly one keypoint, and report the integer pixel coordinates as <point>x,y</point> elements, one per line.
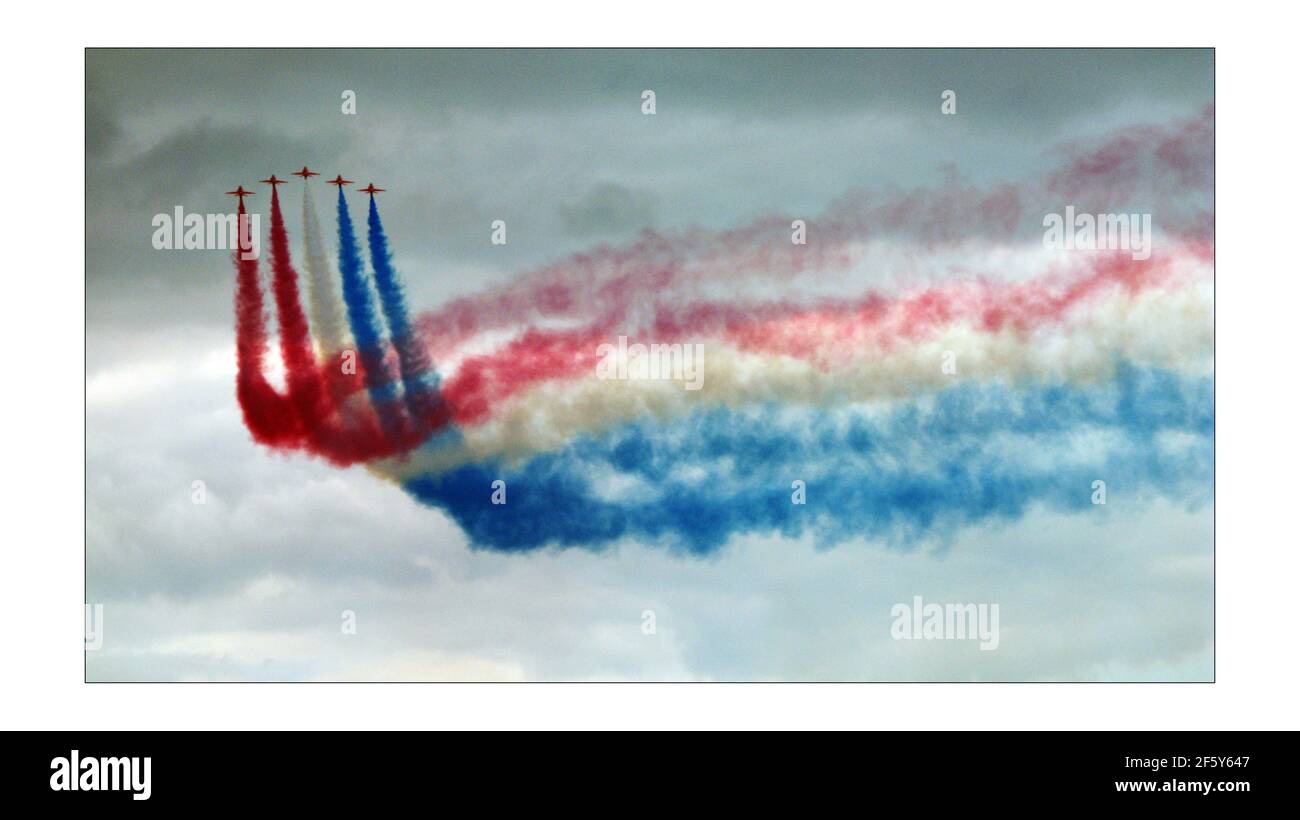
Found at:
<point>876,322</point>
<point>306,392</point>
<point>340,432</point>
<point>1162,167</point>
<point>536,356</point>
<point>805,332</point>
<point>267,414</point>
<point>648,279</point>
<point>309,416</point>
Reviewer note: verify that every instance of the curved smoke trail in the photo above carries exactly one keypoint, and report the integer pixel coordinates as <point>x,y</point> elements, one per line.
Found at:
<point>326,304</point>
<point>911,472</point>
<point>365,327</point>
<point>306,391</point>
<point>315,412</point>
<point>1063,368</point>
<point>267,414</point>
<point>1167,168</point>
<point>419,382</point>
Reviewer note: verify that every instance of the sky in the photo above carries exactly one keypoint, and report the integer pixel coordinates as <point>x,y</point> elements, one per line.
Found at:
<point>256,583</point>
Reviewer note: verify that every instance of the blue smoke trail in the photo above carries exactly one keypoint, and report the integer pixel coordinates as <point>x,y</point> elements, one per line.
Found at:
<point>364,323</point>
<point>972,454</point>
<point>419,380</point>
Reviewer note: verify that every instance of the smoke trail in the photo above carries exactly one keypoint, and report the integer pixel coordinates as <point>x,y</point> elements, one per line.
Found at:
<point>1065,374</point>
<point>1168,330</point>
<point>922,469</point>
<point>312,415</point>
<point>340,434</point>
<point>365,328</point>
<point>419,381</point>
<point>1161,167</point>
<point>267,414</point>
<point>828,333</point>
<point>325,303</point>
<point>306,392</point>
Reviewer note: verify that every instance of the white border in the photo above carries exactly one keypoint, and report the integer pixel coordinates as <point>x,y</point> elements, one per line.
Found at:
<point>43,525</point>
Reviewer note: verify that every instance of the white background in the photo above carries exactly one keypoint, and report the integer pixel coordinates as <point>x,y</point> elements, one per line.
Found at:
<point>1258,401</point>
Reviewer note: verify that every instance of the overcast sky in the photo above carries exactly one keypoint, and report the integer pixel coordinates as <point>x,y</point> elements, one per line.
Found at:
<point>253,584</point>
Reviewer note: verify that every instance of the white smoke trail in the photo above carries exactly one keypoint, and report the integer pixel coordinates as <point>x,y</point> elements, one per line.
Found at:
<point>1171,329</point>
<point>325,305</point>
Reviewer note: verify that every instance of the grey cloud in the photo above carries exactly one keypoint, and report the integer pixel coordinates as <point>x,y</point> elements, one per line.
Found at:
<point>606,209</point>
<point>1029,88</point>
